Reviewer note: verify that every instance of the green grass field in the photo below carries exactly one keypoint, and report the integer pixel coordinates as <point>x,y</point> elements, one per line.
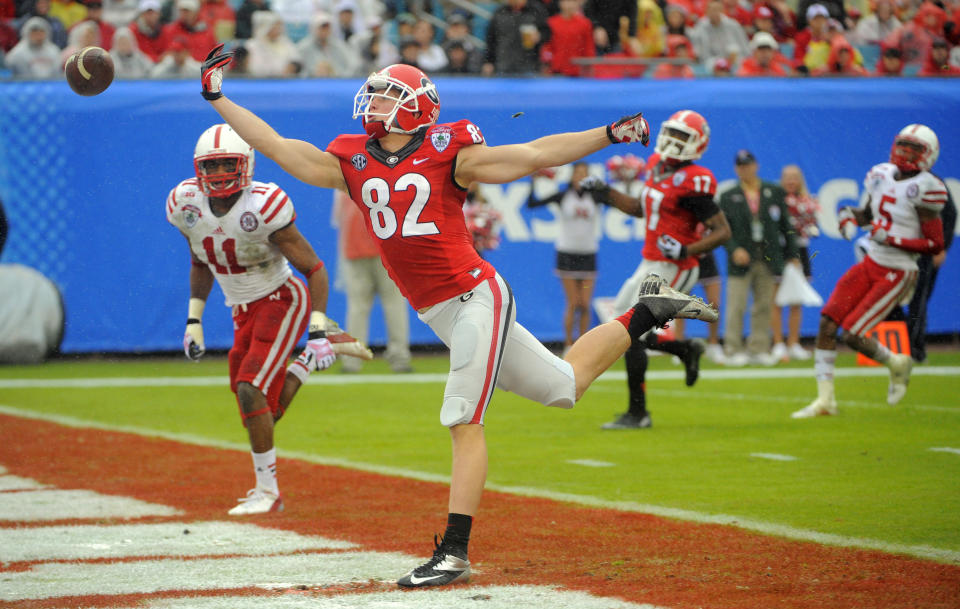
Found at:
<point>867,473</point>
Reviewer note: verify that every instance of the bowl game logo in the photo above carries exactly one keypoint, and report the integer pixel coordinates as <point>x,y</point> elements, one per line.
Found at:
<point>440,137</point>
<point>248,221</point>
<point>913,190</point>
<point>359,161</point>
<point>190,215</point>
<point>679,177</point>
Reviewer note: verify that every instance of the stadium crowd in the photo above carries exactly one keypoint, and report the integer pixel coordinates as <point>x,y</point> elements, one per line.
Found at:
<point>593,38</point>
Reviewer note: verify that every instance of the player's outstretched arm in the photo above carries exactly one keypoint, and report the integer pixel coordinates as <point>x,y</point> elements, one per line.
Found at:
<point>502,164</point>
<point>300,159</point>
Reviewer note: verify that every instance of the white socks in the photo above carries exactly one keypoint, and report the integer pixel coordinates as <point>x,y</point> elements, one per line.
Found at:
<point>265,466</point>
<point>883,354</point>
<point>824,362</point>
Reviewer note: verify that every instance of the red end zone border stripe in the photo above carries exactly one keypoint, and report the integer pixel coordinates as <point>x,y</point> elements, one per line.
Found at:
<point>517,540</point>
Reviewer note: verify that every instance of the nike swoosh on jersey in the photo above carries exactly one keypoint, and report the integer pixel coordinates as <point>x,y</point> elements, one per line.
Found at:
<point>418,161</point>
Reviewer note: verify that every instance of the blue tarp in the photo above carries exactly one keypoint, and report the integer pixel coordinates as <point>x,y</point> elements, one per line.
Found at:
<point>84,180</point>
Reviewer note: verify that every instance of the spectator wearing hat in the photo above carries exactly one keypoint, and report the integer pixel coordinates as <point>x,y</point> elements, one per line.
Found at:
<point>571,35</point>
<point>35,56</point>
<point>835,10</point>
<point>762,241</point>
<point>95,16</point>
<point>272,53</point>
<point>938,61</point>
<point>69,12</point>
<point>675,16</point>
<point>347,21</point>
<point>516,32</point>
<point>765,58</point>
<point>244,17</point>
<point>82,35</point>
<point>716,35</point>
<point>220,19</point>
<point>148,31</point>
<point>177,61</point>
<point>877,26</point>
<point>844,60</point>
<point>188,28</point>
<point>916,37</point>
<point>129,62</point>
<point>890,62</point>
<point>463,56</point>
<point>372,47</point>
<point>721,68</point>
<point>323,54</point>
<point>57,34</point>
<point>779,25</point>
<point>812,44</point>
<point>737,12</point>
<point>678,48</point>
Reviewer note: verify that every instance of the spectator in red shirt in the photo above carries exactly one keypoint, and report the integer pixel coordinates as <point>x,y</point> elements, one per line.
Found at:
<point>199,39</point>
<point>816,34</point>
<point>763,57</point>
<point>779,25</point>
<point>916,37</point>
<point>733,9</point>
<point>678,47</point>
<point>95,14</point>
<point>890,62</point>
<point>842,61</point>
<point>571,36</point>
<point>147,30</point>
<point>938,61</point>
<point>220,19</point>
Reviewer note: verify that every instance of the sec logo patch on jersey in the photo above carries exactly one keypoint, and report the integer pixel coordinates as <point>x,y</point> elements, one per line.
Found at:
<point>359,162</point>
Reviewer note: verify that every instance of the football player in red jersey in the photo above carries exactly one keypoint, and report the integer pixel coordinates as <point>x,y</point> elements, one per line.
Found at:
<point>677,196</point>
<point>409,175</point>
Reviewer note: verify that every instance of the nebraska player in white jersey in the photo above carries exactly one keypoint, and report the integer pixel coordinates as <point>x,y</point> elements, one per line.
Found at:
<point>242,234</point>
<point>677,197</point>
<point>902,210</point>
<point>409,176</point>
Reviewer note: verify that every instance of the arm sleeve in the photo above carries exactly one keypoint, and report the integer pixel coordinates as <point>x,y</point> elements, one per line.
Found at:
<point>554,198</point>
<point>931,243</point>
<point>702,206</point>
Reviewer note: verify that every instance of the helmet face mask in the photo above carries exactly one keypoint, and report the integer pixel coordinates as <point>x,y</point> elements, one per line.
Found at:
<point>683,137</point>
<point>397,99</point>
<point>223,162</point>
<point>915,148</point>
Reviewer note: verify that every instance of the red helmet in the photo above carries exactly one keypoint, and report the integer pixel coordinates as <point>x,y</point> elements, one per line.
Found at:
<point>683,137</point>
<point>915,148</point>
<point>626,167</point>
<point>414,102</point>
<point>221,146</point>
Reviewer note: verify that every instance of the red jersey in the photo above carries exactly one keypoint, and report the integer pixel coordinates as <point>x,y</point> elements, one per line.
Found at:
<point>414,209</point>
<point>676,199</point>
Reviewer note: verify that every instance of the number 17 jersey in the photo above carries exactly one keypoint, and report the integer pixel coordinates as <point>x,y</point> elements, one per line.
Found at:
<point>413,208</point>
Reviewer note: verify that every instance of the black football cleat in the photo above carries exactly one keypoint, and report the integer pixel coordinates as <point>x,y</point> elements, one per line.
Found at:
<point>691,360</point>
<point>442,570</point>
<point>628,420</point>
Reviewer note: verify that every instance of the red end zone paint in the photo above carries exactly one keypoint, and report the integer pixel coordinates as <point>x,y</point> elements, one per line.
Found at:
<point>516,540</point>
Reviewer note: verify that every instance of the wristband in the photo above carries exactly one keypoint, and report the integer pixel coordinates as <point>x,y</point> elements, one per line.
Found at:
<point>314,269</point>
<point>195,309</point>
<point>610,137</point>
<point>192,320</point>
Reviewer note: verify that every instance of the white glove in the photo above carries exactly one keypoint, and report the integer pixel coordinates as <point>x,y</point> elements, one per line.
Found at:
<point>848,223</point>
<point>317,355</point>
<point>671,248</point>
<point>629,129</point>
<point>193,340</point>
<point>879,234</point>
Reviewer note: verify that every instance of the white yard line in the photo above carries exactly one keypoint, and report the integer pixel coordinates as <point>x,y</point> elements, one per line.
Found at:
<point>922,551</point>
<point>393,379</point>
<point>590,463</point>
<point>945,449</point>
<point>773,456</point>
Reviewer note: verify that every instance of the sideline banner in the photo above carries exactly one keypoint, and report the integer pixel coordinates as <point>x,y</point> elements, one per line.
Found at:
<point>84,181</point>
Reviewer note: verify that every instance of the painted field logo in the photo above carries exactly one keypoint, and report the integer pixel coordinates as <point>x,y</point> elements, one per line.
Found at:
<point>249,222</point>
<point>190,215</point>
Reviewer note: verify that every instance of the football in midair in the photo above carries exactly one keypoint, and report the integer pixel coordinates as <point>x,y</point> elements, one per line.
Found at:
<point>89,71</point>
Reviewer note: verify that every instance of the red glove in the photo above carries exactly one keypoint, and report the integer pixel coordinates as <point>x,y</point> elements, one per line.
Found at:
<point>211,72</point>
<point>629,129</point>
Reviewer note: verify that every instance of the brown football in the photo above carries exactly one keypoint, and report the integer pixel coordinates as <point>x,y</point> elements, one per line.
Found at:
<point>89,71</point>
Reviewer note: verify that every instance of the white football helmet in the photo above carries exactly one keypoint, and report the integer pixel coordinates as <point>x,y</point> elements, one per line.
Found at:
<point>218,144</point>
<point>915,148</point>
<point>683,137</point>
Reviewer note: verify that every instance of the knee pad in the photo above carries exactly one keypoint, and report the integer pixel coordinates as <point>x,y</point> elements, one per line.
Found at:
<point>455,410</point>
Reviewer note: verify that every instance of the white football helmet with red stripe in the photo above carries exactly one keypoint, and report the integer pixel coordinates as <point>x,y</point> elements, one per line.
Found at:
<point>216,148</point>
<point>683,137</point>
<point>417,103</point>
<point>915,148</point>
